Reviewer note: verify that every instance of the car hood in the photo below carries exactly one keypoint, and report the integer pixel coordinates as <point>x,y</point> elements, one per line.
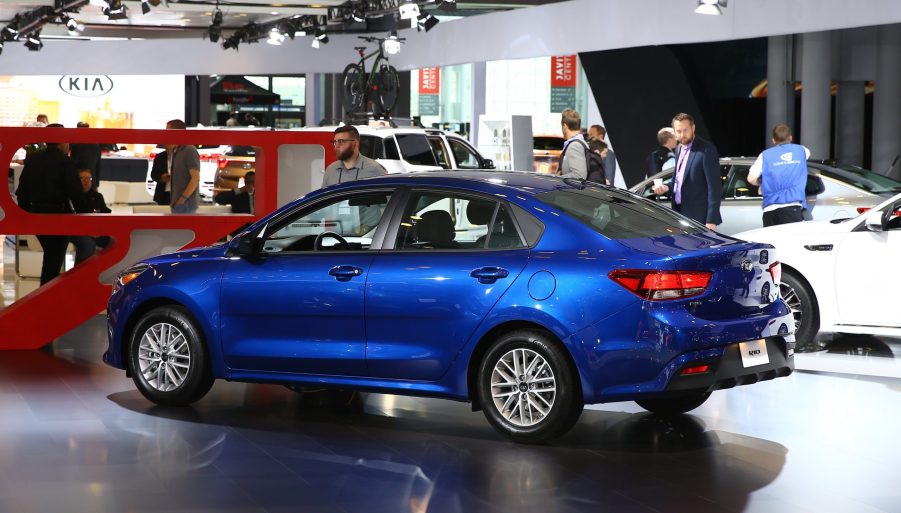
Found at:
<point>189,254</point>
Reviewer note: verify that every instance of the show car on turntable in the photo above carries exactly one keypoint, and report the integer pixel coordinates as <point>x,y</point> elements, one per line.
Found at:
<point>528,295</point>
<point>839,276</point>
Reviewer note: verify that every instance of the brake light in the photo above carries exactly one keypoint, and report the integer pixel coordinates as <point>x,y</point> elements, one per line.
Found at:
<point>861,210</point>
<point>697,369</point>
<point>656,285</point>
<point>222,162</point>
<point>775,270</point>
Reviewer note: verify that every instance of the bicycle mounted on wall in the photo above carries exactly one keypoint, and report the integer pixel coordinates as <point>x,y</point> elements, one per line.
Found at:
<point>381,86</point>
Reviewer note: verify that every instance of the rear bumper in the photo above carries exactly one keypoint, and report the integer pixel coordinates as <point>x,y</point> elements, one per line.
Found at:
<point>727,371</point>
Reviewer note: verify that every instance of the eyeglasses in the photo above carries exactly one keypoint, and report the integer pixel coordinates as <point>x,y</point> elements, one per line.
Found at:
<point>88,178</point>
<point>336,142</point>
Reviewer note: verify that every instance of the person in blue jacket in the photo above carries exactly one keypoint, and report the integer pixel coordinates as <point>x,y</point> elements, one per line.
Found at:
<point>781,172</point>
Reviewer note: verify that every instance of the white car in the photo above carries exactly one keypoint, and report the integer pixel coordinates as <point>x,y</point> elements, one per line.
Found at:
<point>407,149</point>
<point>840,276</point>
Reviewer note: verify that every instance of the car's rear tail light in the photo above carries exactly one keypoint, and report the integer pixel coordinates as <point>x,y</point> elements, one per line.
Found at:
<point>775,270</point>
<point>697,369</point>
<point>656,285</point>
<point>223,162</point>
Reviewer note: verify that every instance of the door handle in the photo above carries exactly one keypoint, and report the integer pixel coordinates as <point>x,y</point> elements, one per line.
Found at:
<point>489,274</point>
<point>345,272</point>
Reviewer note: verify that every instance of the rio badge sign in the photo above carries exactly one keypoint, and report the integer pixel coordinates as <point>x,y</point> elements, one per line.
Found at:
<point>86,86</point>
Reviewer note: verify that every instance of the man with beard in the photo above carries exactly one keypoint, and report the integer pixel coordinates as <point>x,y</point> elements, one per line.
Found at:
<point>351,165</point>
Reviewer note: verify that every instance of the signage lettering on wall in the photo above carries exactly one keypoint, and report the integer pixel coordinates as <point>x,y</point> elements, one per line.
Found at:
<point>429,91</point>
<point>563,82</point>
<point>86,86</point>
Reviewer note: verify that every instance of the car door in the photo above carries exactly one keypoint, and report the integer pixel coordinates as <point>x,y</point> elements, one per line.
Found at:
<point>450,258</point>
<point>866,282</point>
<point>297,306</point>
<point>465,156</point>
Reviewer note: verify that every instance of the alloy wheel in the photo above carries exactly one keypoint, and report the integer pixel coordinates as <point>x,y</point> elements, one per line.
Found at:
<point>523,387</point>
<point>794,303</point>
<point>164,357</point>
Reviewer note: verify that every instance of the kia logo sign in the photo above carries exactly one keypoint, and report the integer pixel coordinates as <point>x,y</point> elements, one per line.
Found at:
<point>86,86</point>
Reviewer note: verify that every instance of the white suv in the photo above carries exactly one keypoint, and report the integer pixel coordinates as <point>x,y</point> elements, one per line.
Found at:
<point>402,150</point>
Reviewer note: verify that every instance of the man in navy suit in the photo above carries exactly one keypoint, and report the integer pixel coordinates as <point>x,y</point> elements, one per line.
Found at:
<point>696,185</point>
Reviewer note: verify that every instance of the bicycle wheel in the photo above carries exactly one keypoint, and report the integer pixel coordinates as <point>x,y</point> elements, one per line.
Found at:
<point>354,88</point>
<point>388,88</point>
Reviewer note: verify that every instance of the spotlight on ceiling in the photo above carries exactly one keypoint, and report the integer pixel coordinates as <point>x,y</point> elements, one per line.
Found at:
<point>426,22</point>
<point>392,44</point>
<point>409,10</point>
<point>320,38</point>
<point>357,15</point>
<point>33,41</point>
<point>275,37</point>
<point>215,29</point>
<point>712,7</point>
<point>447,5</point>
<point>115,10</point>
<point>231,43</point>
<point>11,31</point>
<point>72,25</point>
<point>1,46</point>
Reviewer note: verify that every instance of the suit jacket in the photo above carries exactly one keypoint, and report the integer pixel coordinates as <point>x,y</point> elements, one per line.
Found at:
<point>160,165</point>
<point>702,187</point>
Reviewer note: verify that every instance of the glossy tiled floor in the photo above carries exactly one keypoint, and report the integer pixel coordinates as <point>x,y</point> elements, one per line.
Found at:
<point>75,436</point>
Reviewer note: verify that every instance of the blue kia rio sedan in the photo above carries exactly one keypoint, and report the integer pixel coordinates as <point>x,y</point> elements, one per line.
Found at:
<point>528,295</point>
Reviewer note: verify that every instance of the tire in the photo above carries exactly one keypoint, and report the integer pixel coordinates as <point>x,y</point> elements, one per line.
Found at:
<point>354,87</point>
<point>800,299</point>
<point>674,405</point>
<point>188,376</point>
<point>388,84</point>
<point>521,411</point>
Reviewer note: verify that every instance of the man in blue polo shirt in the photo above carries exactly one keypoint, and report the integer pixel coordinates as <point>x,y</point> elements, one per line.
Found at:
<point>781,172</point>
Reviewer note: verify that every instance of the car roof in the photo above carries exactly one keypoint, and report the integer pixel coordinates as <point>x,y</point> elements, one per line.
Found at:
<point>381,131</point>
<point>525,183</point>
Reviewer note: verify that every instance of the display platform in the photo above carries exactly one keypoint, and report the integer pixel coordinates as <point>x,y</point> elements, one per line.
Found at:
<point>78,437</point>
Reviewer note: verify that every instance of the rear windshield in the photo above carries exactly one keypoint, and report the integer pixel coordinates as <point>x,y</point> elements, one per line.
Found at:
<point>618,215</point>
<point>548,143</point>
<point>415,149</point>
<point>241,151</point>
<point>863,179</point>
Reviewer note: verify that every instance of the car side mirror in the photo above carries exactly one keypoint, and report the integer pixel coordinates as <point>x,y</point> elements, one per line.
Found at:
<point>250,246</point>
<point>488,164</point>
<point>874,222</point>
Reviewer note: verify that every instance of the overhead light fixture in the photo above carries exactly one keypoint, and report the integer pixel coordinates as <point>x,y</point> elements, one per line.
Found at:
<point>231,44</point>
<point>392,44</point>
<point>215,29</point>
<point>115,10</point>
<point>320,38</point>
<point>33,41</point>
<point>426,22</point>
<point>711,7</point>
<point>11,31</point>
<point>72,25</point>
<point>447,5</point>
<point>275,37</point>
<point>409,10</point>
<point>1,46</point>
<point>357,15</point>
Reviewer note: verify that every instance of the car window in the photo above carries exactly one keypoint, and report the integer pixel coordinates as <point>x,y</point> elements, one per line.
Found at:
<point>435,220</point>
<point>372,147</point>
<point>241,151</point>
<point>548,143</point>
<point>415,149</point>
<point>354,218</point>
<point>863,179</point>
<point>618,215</point>
<point>465,156</point>
<point>391,151</point>
<point>440,152</point>
<point>737,185</point>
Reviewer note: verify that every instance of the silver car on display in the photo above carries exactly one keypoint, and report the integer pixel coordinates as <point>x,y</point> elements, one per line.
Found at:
<point>833,192</point>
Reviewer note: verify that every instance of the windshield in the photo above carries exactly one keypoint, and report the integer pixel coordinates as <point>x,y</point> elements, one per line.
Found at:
<point>863,178</point>
<point>618,215</point>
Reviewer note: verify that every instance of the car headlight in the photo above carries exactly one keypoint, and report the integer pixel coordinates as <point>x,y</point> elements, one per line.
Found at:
<point>130,274</point>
